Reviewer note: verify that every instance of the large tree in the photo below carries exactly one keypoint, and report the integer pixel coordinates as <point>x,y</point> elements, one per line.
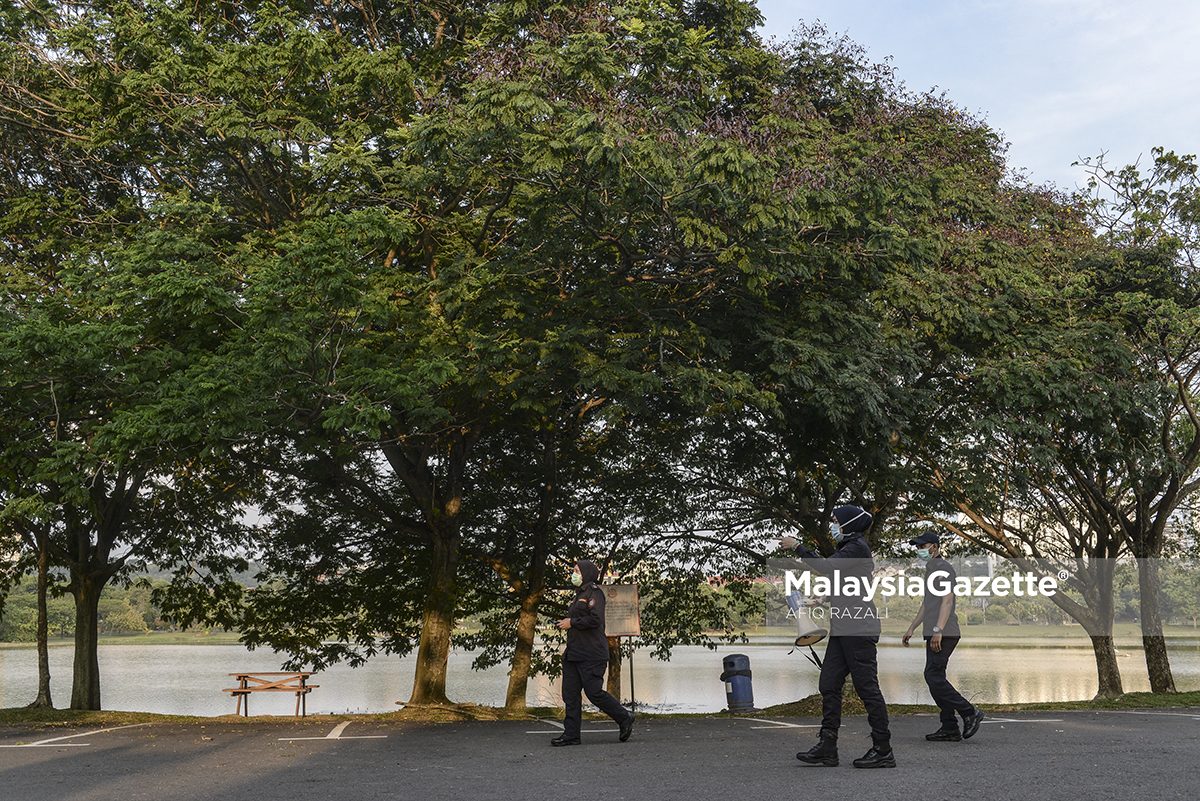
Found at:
<point>989,466</point>
<point>193,132</point>
<point>915,256</point>
<point>106,307</point>
<point>1074,434</point>
<point>557,223</point>
<point>443,239</point>
<point>1147,286</point>
<point>1084,442</point>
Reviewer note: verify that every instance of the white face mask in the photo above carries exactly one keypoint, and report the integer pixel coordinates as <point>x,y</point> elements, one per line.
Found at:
<point>923,554</point>
<point>835,528</point>
<point>577,579</point>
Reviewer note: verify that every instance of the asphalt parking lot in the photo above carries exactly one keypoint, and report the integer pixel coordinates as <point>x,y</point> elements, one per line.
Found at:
<point>1054,755</point>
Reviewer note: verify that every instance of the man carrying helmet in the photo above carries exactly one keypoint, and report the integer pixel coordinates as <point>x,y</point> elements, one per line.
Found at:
<point>853,636</point>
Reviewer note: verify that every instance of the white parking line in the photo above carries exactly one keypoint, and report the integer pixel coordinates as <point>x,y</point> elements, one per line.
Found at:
<point>336,734</point>
<point>52,740</point>
<point>558,726</point>
<point>1022,720</point>
<point>778,724</point>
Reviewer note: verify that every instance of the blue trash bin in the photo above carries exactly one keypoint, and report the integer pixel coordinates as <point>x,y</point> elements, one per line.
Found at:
<point>739,690</point>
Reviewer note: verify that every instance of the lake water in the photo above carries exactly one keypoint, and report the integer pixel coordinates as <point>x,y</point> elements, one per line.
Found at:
<point>188,679</point>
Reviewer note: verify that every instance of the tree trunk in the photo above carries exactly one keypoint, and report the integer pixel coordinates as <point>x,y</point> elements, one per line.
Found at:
<point>43,700</point>
<point>522,660</point>
<point>85,683</point>
<point>534,590</point>
<point>1106,667</point>
<point>441,503</point>
<point>614,667</point>
<point>437,623</point>
<point>1158,664</point>
<point>1096,617</point>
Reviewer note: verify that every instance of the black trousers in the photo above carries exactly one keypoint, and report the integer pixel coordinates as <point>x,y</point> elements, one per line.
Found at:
<point>587,677</point>
<point>854,657</point>
<point>948,699</point>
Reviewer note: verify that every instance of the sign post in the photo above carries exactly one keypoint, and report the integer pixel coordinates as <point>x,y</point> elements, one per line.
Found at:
<point>623,618</point>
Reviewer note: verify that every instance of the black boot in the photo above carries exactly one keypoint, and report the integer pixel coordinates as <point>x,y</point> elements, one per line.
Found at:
<point>880,756</point>
<point>823,753</point>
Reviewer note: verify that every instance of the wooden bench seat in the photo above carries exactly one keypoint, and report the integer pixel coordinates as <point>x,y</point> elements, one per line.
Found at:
<point>295,682</point>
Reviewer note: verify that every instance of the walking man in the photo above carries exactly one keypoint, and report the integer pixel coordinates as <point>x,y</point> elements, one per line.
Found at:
<point>940,629</point>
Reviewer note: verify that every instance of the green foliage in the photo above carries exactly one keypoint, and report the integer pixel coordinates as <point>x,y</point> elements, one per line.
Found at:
<point>450,297</point>
<point>995,613</point>
<point>122,609</point>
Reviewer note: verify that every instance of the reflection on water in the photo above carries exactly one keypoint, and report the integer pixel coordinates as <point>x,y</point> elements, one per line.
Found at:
<point>188,679</point>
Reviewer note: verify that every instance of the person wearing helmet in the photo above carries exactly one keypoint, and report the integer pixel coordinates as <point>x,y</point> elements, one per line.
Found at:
<point>586,658</point>
<point>853,637</point>
<point>941,632</point>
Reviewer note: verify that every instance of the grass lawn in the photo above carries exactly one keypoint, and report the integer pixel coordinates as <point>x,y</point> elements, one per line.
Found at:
<point>147,638</point>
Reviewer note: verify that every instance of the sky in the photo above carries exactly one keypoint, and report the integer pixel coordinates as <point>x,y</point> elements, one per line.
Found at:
<point>1059,79</point>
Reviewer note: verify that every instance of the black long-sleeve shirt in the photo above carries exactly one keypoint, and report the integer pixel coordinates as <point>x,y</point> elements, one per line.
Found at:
<point>586,640</point>
<point>850,614</point>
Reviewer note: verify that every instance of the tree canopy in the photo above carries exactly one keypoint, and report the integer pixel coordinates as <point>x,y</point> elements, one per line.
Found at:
<point>414,305</point>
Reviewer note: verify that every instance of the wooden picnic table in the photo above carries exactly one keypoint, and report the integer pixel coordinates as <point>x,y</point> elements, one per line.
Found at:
<point>283,682</point>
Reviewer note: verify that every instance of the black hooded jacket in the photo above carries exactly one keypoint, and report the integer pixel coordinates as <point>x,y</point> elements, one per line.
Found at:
<point>586,641</point>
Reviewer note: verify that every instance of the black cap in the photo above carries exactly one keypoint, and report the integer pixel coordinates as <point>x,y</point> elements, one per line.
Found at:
<point>925,538</point>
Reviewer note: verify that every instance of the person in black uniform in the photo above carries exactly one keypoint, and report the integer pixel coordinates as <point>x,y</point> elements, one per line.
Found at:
<point>853,635</point>
<point>941,632</point>
<point>586,658</point>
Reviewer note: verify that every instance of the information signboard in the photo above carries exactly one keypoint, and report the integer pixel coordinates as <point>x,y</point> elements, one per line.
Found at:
<point>622,618</point>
